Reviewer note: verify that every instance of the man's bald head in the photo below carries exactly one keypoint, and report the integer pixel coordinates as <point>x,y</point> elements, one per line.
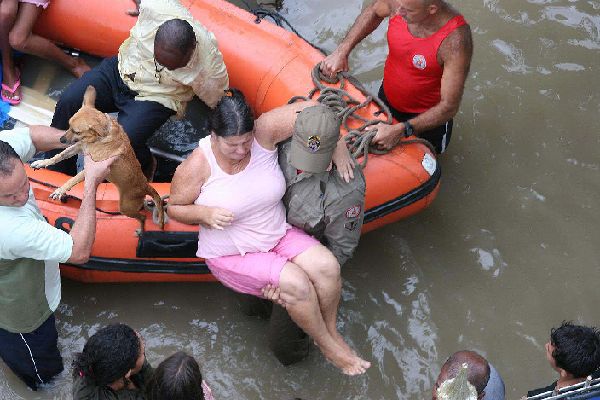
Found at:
<point>479,369</point>
<point>174,43</point>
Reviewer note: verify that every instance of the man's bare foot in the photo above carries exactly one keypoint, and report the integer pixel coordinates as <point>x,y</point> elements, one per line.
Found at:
<point>80,67</point>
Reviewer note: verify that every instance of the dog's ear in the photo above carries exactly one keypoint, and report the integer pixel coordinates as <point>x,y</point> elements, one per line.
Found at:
<point>89,98</point>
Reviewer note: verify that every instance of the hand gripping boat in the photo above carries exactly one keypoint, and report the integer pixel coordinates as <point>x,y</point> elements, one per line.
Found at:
<point>269,65</point>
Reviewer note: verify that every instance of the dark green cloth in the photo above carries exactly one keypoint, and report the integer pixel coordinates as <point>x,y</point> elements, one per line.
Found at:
<point>85,389</point>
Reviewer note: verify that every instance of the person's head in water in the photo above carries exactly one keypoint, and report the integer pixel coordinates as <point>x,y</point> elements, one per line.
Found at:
<point>478,372</point>
<point>111,356</point>
<point>574,350</point>
<point>178,377</point>
<point>174,44</point>
<point>14,184</point>
<point>232,126</point>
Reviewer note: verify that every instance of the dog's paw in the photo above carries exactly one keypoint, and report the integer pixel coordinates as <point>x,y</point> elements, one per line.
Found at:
<point>58,194</point>
<point>39,164</point>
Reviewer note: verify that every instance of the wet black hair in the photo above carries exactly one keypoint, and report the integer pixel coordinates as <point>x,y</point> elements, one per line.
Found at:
<point>178,377</point>
<point>176,34</point>
<point>7,154</point>
<point>108,354</point>
<point>232,116</point>
<point>576,348</point>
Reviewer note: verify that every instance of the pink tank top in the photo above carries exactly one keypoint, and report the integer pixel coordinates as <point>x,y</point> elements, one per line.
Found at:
<point>253,195</point>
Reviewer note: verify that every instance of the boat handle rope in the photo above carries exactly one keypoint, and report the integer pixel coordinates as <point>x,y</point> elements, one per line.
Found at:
<point>338,99</point>
<point>148,204</point>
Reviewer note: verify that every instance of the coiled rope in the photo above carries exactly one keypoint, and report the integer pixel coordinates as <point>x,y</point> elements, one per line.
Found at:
<point>359,140</point>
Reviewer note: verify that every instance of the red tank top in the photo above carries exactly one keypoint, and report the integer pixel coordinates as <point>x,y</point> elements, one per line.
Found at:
<point>412,76</point>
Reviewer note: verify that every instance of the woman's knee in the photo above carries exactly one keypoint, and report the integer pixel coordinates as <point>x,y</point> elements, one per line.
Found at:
<point>326,265</point>
<point>294,284</point>
<point>18,39</point>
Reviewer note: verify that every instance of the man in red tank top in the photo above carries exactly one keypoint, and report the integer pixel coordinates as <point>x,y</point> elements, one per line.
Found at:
<point>430,49</point>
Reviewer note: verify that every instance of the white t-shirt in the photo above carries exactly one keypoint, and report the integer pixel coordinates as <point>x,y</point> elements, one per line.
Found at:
<point>24,233</point>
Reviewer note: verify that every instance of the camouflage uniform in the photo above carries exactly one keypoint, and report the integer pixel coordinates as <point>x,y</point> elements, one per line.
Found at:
<point>330,209</point>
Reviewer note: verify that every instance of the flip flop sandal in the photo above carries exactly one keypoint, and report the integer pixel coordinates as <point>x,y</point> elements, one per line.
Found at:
<point>13,100</point>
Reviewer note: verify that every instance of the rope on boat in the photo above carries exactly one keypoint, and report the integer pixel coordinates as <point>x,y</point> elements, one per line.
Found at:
<point>338,99</point>
<point>279,20</point>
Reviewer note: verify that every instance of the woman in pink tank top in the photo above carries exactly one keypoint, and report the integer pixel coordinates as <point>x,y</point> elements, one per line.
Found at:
<point>232,186</point>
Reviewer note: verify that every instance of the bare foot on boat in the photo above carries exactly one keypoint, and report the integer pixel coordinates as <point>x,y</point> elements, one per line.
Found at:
<point>348,362</point>
<point>79,68</point>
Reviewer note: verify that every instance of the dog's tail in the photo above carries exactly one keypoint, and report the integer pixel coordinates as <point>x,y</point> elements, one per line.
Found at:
<point>158,204</point>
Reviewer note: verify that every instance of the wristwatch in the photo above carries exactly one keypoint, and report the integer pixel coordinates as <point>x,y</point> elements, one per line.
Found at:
<point>408,129</point>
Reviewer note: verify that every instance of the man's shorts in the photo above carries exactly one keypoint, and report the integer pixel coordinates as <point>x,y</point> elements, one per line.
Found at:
<point>439,137</point>
<point>253,271</point>
<point>33,356</point>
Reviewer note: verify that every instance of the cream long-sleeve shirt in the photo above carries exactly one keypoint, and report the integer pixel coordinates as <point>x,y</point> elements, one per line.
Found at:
<point>205,75</point>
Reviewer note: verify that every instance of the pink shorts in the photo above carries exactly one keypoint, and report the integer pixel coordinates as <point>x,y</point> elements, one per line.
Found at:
<point>253,271</point>
<point>39,3</point>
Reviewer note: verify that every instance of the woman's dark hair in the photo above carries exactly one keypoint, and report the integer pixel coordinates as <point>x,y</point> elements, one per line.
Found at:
<point>576,349</point>
<point>108,355</point>
<point>176,378</point>
<point>232,116</point>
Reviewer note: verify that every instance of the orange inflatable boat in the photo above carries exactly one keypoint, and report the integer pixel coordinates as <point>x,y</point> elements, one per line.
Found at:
<point>269,65</point>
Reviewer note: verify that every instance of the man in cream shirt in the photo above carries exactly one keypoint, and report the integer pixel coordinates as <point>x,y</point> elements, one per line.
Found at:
<point>168,58</point>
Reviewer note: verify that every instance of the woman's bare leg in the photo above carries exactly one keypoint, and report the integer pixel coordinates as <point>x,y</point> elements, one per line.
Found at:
<point>21,38</point>
<point>323,270</point>
<point>302,304</point>
<point>8,14</point>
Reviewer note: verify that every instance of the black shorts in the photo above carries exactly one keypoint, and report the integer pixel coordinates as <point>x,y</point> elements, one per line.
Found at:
<point>439,137</point>
<point>33,356</point>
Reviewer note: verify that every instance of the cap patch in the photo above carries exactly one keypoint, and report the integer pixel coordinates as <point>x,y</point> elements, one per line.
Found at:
<point>314,143</point>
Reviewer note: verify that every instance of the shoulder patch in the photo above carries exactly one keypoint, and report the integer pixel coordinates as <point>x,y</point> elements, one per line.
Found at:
<point>353,211</point>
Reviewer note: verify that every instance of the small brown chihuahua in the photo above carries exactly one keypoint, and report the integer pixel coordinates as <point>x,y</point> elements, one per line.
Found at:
<point>102,137</point>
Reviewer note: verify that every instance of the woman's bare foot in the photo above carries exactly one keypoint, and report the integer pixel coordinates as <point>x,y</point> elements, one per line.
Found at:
<point>348,362</point>
<point>79,68</point>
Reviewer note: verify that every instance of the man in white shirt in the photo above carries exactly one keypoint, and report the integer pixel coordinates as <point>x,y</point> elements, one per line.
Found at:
<point>30,251</point>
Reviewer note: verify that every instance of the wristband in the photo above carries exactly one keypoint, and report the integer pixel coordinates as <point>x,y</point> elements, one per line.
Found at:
<point>408,129</point>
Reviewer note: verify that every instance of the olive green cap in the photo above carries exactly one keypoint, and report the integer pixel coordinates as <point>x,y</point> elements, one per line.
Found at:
<point>316,133</point>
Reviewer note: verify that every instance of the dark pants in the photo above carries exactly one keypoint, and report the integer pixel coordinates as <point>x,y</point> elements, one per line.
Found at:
<point>287,340</point>
<point>140,119</point>
<point>34,356</point>
<point>439,137</point>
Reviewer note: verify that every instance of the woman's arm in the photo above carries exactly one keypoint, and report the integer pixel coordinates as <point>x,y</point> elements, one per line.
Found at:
<point>185,189</point>
<point>277,125</point>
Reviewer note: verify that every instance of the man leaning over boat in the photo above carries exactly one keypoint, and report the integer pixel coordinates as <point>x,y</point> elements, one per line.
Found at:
<point>30,251</point>
<point>168,57</point>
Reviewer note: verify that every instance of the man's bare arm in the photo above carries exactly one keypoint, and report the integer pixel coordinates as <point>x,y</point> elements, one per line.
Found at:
<point>46,138</point>
<point>368,20</point>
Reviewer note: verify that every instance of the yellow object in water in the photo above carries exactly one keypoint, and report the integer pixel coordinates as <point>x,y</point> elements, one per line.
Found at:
<point>457,388</point>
